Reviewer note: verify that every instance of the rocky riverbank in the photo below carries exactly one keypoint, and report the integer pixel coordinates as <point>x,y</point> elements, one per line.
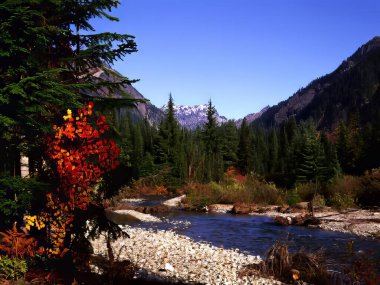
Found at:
<point>360,222</point>
<point>167,256</point>
<point>364,223</point>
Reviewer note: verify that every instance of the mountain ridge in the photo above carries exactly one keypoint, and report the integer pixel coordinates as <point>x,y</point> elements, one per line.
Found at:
<point>334,96</point>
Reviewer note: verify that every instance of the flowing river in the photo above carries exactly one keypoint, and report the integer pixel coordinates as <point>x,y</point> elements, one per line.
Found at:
<point>256,234</point>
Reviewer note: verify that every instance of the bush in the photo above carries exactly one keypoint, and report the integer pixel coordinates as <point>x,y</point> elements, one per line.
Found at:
<point>12,268</point>
<point>293,197</point>
<point>370,192</point>
<point>250,190</point>
<point>352,191</point>
<point>319,201</point>
<point>263,192</point>
<point>140,188</point>
<point>200,195</point>
<point>342,201</point>
<point>291,268</point>
<point>343,192</point>
<point>16,198</point>
<point>306,191</point>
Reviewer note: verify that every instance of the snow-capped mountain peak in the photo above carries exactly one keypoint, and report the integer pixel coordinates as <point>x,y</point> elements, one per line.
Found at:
<point>191,117</point>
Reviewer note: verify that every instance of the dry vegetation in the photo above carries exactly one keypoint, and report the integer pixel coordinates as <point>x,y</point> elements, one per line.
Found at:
<point>311,268</point>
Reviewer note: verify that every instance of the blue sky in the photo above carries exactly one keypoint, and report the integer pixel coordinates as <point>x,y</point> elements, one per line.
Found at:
<point>243,54</point>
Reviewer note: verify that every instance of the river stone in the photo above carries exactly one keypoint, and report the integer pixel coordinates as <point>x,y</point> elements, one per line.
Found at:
<point>175,202</point>
<point>169,267</point>
<point>243,209</point>
<point>137,215</point>
<point>219,208</point>
<point>284,209</point>
<point>301,207</point>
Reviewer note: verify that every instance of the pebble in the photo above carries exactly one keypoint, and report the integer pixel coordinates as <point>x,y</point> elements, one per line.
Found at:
<point>181,258</point>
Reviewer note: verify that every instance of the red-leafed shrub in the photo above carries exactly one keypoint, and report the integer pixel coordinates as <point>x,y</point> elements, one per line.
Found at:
<point>79,155</point>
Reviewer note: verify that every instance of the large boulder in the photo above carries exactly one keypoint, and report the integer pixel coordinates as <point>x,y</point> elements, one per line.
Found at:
<point>143,209</point>
<point>156,209</point>
<point>302,207</point>
<point>243,208</point>
<point>285,209</point>
<point>285,221</point>
<point>299,220</point>
<point>137,215</point>
<point>174,202</point>
<point>219,208</point>
<point>266,209</point>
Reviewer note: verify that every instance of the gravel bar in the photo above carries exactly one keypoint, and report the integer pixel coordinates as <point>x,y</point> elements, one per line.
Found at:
<point>176,258</point>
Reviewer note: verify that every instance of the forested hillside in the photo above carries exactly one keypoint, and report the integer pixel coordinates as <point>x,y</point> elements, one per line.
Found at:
<point>352,90</point>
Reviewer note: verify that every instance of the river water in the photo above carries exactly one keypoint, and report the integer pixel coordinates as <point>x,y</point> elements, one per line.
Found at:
<point>256,234</point>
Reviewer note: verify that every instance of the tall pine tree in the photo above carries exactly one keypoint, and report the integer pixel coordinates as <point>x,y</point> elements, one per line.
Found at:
<point>244,152</point>
<point>211,142</point>
<point>49,51</point>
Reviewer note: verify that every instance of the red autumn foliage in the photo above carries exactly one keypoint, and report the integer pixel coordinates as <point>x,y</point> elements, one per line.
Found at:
<point>80,156</point>
<point>17,244</point>
<point>234,173</point>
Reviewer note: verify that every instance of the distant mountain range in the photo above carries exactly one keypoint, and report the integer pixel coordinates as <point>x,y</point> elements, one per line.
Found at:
<point>353,88</point>
<point>191,117</point>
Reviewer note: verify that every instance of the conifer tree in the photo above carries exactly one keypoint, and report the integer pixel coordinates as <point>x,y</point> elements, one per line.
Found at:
<point>260,157</point>
<point>138,148</point>
<point>209,130</point>
<point>229,141</point>
<point>311,167</point>
<point>213,157</point>
<point>284,149</point>
<point>48,53</point>
<point>194,156</point>
<point>168,134</point>
<point>244,148</point>
<point>332,167</point>
<point>273,151</point>
<point>344,150</point>
<point>169,146</point>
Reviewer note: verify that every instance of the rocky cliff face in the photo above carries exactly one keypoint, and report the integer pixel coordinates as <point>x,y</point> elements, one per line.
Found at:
<point>351,88</point>
<point>143,109</point>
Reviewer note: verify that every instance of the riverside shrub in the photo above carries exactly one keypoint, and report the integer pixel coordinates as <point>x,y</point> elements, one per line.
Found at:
<point>263,192</point>
<point>369,195</point>
<point>343,192</point>
<point>79,154</point>
<point>248,190</point>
